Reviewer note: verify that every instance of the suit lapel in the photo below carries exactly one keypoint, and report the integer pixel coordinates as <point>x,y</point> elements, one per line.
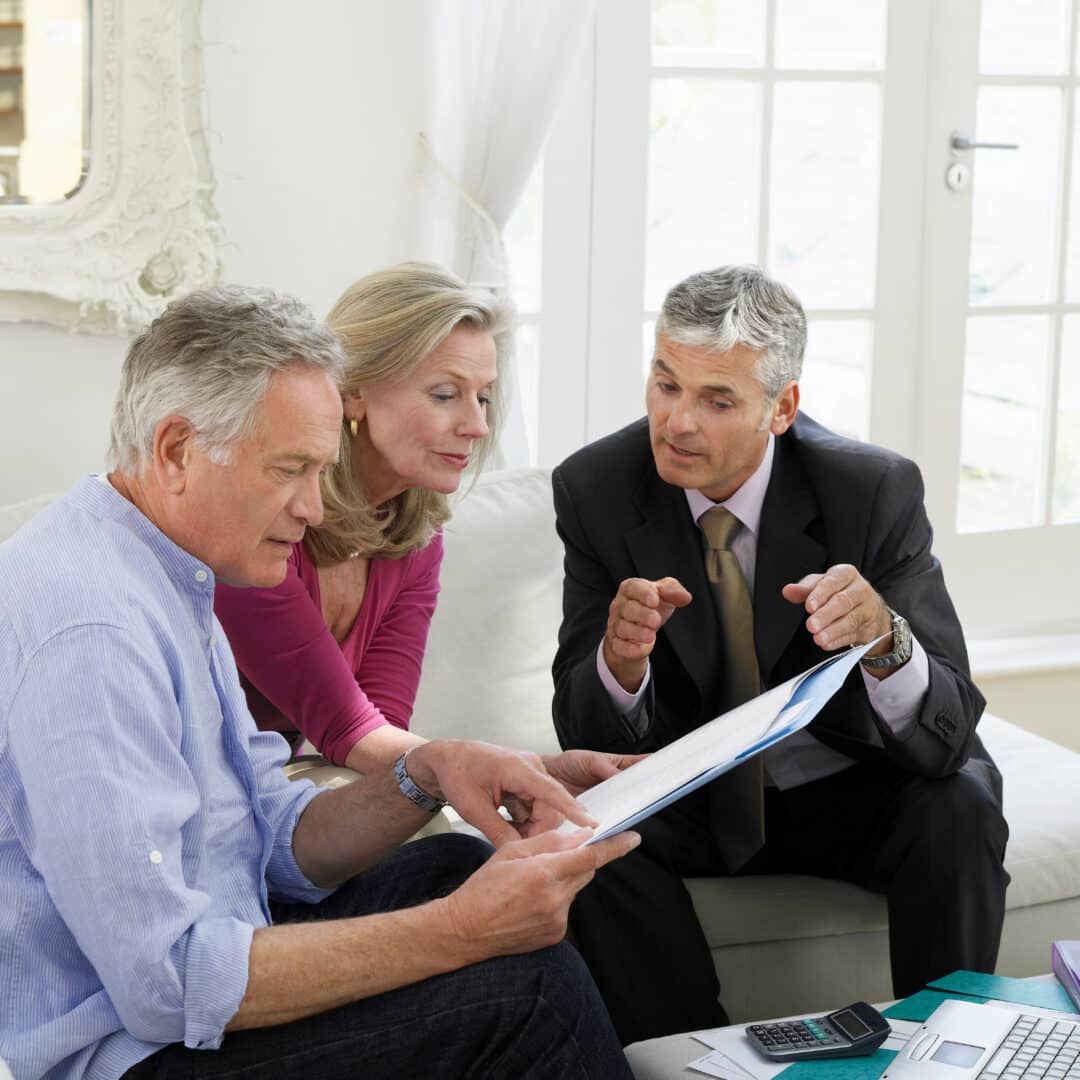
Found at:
<point>667,544</point>
<point>787,550</point>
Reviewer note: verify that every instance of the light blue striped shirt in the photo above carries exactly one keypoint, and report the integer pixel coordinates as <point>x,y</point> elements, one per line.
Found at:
<point>143,816</point>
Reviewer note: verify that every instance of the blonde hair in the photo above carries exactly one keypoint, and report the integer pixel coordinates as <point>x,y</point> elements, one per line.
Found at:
<point>389,322</point>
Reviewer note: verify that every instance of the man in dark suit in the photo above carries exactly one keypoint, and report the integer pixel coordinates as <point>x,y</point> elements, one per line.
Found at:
<point>827,542</point>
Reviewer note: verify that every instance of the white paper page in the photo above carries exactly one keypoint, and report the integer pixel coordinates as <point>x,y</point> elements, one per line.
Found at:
<point>720,740</point>
<point>733,1057</point>
<point>732,1067</point>
<point>717,1063</point>
<point>902,1030</point>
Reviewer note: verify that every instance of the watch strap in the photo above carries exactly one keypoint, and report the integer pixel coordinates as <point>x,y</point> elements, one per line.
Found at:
<point>413,792</point>
<point>901,646</point>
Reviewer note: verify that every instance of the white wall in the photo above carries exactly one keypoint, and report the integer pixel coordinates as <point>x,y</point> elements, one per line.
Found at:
<point>313,114</point>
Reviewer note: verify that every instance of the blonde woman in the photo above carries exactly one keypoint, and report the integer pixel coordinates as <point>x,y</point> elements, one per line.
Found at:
<point>334,653</point>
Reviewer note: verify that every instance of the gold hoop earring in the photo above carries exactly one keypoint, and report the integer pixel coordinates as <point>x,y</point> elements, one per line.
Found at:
<point>354,427</point>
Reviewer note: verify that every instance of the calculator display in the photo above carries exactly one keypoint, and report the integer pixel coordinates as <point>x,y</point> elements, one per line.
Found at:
<point>849,1024</point>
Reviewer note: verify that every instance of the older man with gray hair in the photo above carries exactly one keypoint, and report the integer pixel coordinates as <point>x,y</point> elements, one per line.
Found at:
<point>720,546</point>
<point>169,902</point>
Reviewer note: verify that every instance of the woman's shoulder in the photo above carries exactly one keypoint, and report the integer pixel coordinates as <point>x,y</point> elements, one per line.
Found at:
<point>417,566</point>
<point>426,559</point>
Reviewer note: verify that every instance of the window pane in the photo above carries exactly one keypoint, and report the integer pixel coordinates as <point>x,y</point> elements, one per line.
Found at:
<point>648,343</point>
<point>1072,265</point>
<point>523,237</point>
<point>1004,376</point>
<point>714,33</point>
<point>703,179</point>
<point>1023,39</point>
<point>1015,201</point>
<point>833,386</point>
<point>527,383</point>
<point>837,34</point>
<point>824,198</point>
<point>1067,458</point>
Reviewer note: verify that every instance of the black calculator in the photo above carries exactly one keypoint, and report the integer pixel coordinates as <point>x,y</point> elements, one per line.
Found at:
<point>848,1032</point>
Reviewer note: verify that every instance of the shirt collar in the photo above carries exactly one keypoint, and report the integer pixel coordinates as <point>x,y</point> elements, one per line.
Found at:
<point>747,501</point>
<point>106,503</point>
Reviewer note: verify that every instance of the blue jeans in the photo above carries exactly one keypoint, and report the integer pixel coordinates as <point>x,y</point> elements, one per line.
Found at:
<point>534,1015</point>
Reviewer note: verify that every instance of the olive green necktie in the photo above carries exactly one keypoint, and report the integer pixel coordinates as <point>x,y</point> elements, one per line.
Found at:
<point>736,799</point>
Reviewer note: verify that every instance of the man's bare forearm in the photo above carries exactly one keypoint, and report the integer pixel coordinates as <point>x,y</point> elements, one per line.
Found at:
<point>350,828</point>
<point>300,969</point>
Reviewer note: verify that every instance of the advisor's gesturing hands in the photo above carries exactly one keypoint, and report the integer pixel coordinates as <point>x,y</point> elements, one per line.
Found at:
<point>636,614</point>
<point>843,609</point>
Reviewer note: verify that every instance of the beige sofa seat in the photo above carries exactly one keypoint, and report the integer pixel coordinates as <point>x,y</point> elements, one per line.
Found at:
<point>781,944</point>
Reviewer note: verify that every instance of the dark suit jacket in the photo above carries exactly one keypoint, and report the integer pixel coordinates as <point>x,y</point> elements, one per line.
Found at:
<point>829,500</point>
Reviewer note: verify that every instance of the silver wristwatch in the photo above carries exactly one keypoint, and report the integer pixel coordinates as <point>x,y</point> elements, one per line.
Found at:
<point>410,789</point>
<point>901,646</point>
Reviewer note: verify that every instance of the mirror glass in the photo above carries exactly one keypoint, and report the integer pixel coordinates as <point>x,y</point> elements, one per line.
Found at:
<point>44,99</point>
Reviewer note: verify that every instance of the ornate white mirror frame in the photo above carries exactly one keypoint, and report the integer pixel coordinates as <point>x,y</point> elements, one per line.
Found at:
<point>141,229</point>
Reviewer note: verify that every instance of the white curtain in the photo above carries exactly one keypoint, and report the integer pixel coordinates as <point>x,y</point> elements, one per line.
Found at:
<point>496,69</point>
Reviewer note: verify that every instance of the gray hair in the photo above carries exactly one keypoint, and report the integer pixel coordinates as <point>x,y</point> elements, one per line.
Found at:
<point>738,305</point>
<point>209,357</point>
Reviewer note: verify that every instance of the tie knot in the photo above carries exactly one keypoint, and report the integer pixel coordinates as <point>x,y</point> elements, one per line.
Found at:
<point>720,526</point>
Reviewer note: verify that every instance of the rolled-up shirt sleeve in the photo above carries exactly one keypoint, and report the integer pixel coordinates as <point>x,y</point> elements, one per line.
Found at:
<point>108,810</point>
<point>282,802</point>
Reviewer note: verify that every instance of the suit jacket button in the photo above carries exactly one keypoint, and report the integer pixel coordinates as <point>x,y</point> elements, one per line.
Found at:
<point>944,723</point>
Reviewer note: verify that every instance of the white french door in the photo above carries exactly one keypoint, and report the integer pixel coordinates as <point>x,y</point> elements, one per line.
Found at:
<point>998,398</point>
<point>814,138</point>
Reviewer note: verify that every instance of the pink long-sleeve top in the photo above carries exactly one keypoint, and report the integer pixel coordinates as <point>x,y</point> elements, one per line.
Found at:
<point>299,679</point>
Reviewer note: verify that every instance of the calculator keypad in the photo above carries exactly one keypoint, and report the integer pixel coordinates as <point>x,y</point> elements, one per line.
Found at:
<point>793,1035</point>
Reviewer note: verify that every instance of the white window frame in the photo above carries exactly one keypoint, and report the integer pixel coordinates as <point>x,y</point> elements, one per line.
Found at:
<point>595,199</point>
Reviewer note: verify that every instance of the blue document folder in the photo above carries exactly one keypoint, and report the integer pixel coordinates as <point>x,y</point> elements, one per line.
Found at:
<point>716,747</point>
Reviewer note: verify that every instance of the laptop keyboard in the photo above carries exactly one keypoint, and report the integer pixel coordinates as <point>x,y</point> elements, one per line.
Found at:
<point>1037,1047</point>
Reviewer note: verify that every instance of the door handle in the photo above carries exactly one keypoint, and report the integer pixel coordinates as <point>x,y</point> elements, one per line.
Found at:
<point>959,141</point>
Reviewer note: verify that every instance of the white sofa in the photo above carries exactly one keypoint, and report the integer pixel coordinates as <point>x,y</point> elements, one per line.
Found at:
<point>783,944</point>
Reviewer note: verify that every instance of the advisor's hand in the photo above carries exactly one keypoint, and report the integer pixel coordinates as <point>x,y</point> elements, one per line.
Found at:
<point>639,610</point>
<point>477,778</point>
<point>844,609</point>
<point>579,770</point>
<point>518,900</point>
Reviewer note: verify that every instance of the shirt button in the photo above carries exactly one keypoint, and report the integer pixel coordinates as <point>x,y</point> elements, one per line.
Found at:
<point>213,642</point>
<point>155,857</point>
<point>200,575</point>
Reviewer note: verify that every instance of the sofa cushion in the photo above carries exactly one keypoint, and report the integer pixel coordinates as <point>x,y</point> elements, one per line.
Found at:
<point>487,670</point>
<point>1043,857</point>
<point>1042,780</point>
<point>13,516</point>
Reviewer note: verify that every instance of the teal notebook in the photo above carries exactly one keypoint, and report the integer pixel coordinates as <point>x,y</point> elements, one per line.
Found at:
<point>1041,995</point>
<point>917,1007</point>
<point>856,1068</point>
